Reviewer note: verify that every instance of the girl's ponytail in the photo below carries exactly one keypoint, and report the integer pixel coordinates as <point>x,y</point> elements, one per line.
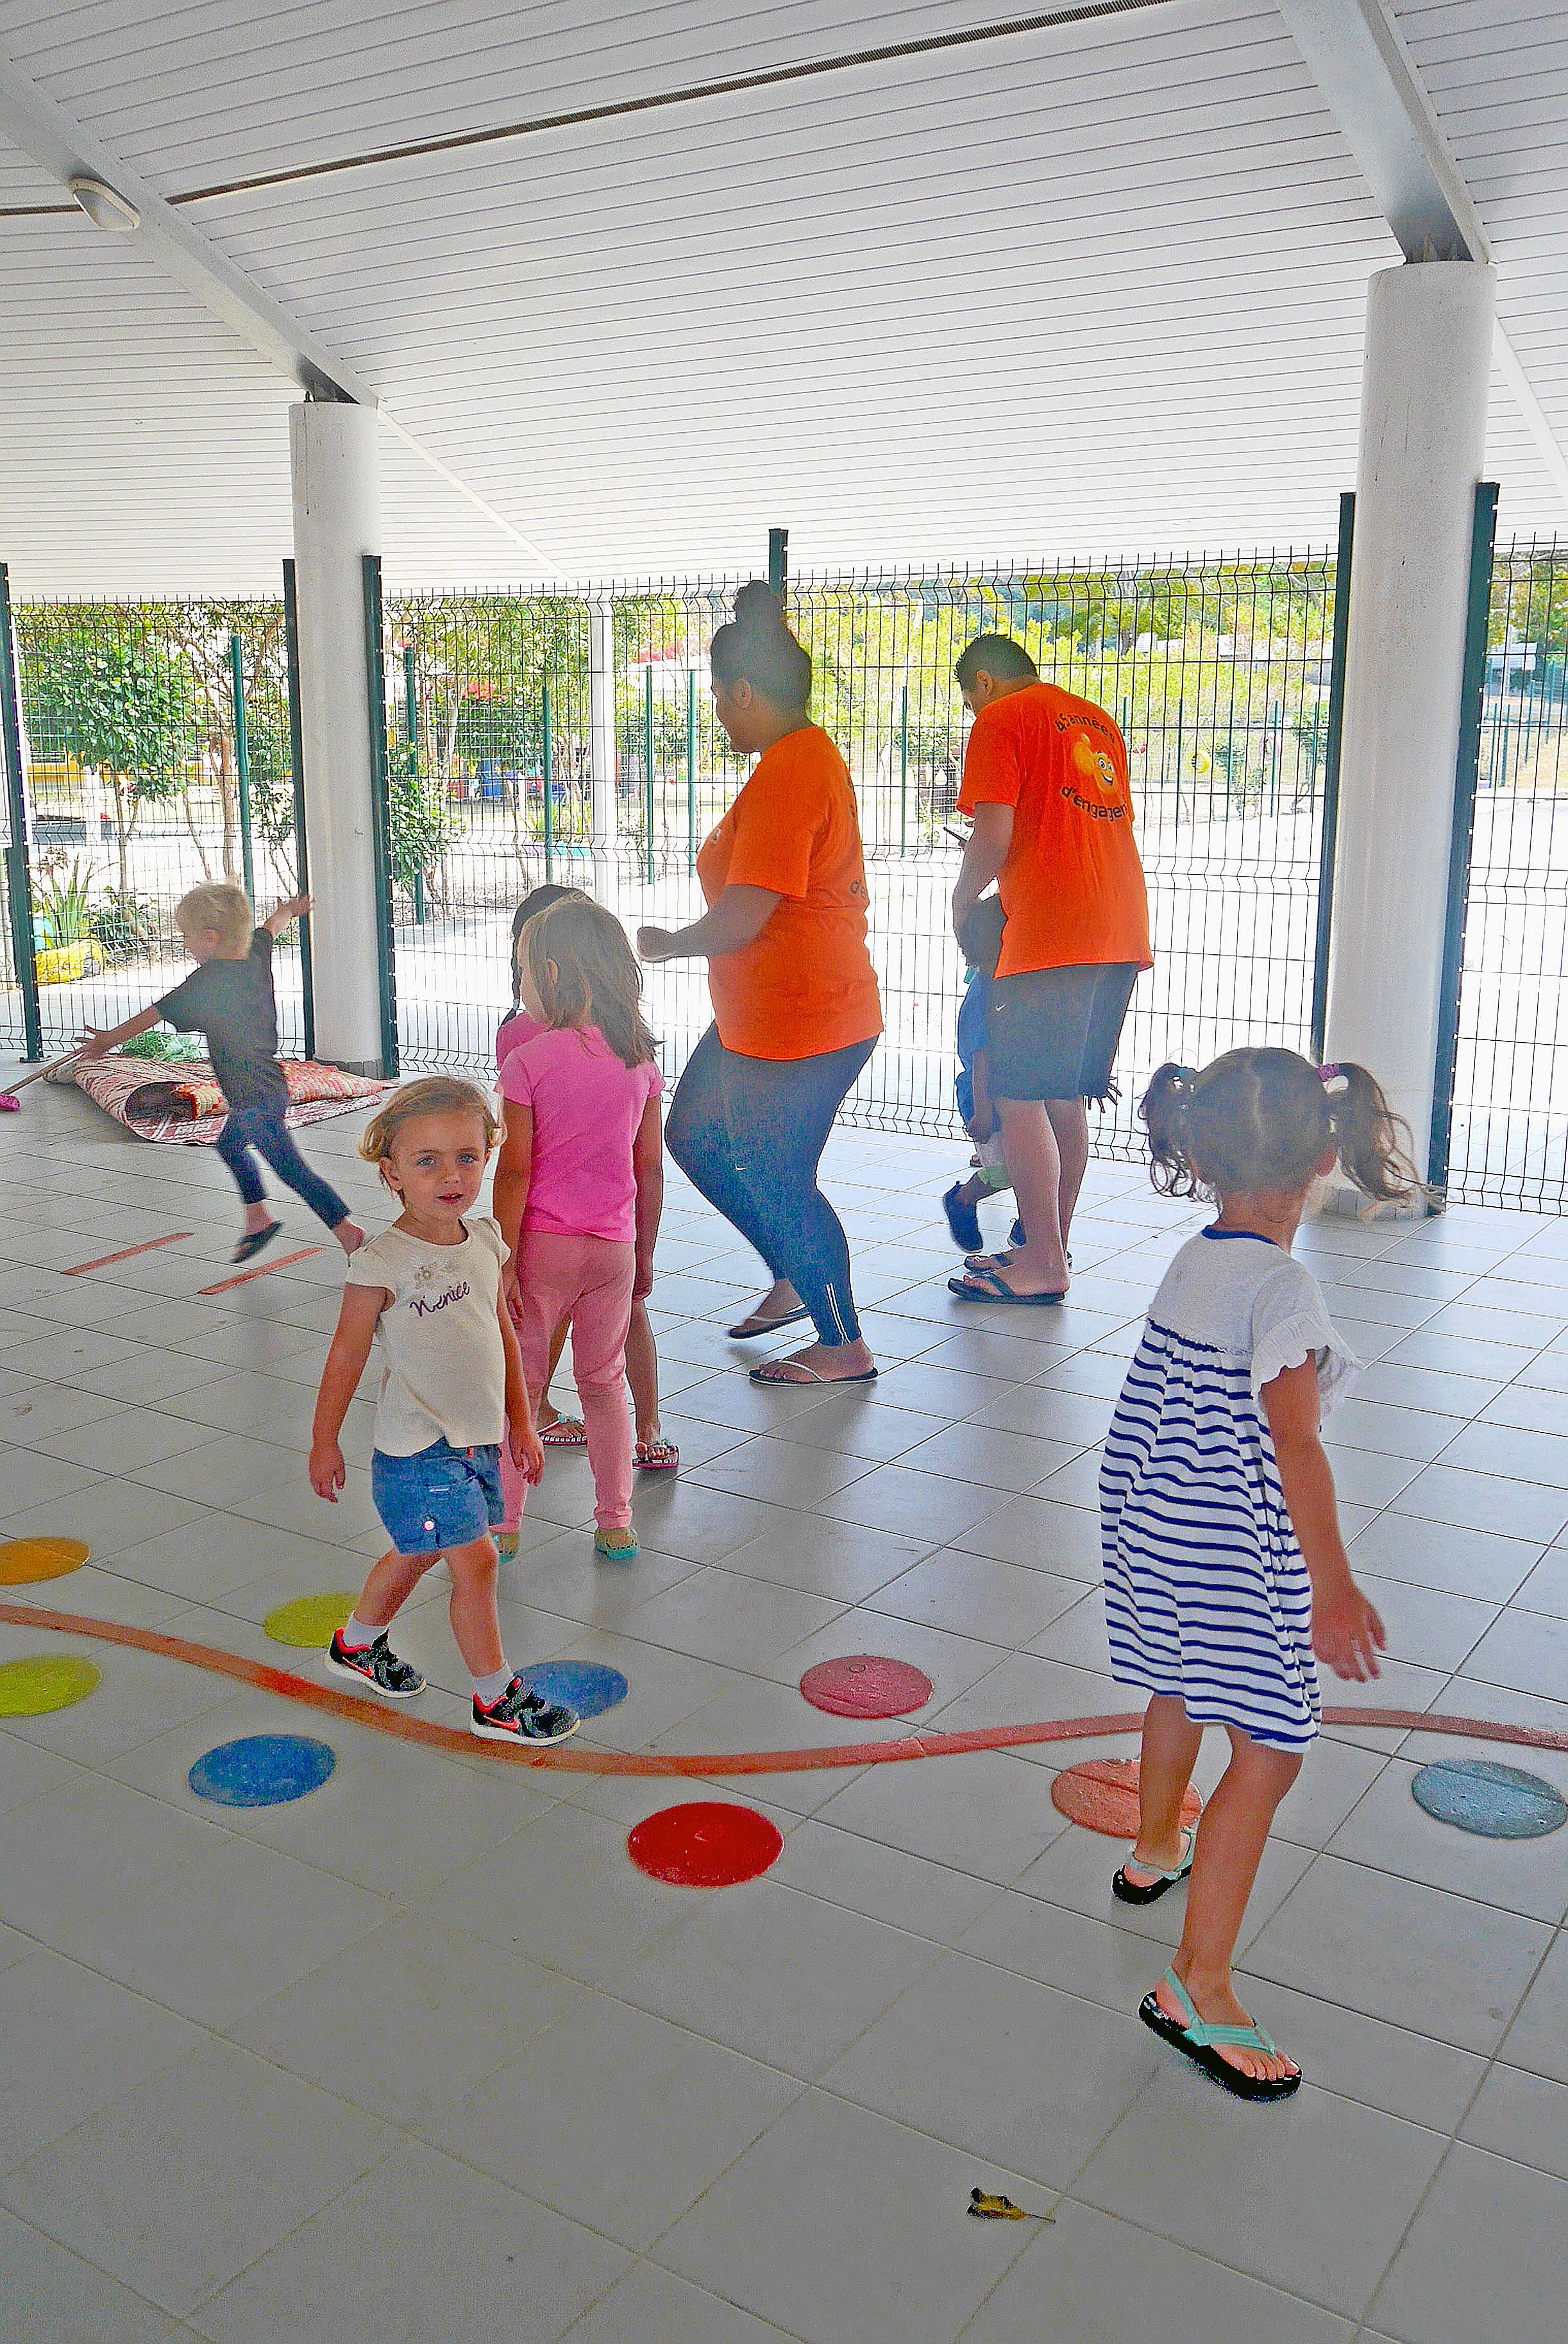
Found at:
<point>1164,1109</point>
<point>1374,1143</point>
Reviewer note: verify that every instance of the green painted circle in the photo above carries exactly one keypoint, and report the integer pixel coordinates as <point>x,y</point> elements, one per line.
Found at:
<point>32,1688</point>
<point>309,1619</point>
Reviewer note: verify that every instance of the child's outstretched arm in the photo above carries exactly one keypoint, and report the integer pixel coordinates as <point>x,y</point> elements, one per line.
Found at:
<point>648,1166</point>
<point>513,1178</point>
<point>97,1039</point>
<point>355,1331</point>
<point>294,908</point>
<point>1347,1632</point>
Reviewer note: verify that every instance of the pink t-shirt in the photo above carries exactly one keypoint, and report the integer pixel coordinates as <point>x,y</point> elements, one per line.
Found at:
<point>587,1104</point>
<point>515,1028</point>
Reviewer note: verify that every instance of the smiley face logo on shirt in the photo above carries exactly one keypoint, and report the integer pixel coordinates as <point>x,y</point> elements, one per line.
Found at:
<point>1095,764</point>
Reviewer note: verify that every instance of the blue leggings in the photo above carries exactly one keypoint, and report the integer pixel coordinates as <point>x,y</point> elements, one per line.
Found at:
<point>748,1134</point>
<point>261,1126</point>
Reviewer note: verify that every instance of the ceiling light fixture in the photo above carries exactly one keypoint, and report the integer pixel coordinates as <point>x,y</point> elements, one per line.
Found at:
<point>104,207</point>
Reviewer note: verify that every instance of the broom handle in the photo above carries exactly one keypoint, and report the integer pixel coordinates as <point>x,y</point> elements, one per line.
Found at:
<point>53,1067</point>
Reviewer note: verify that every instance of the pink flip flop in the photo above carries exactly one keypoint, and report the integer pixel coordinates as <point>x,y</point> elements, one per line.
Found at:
<point>566,1432</point>
<point>659,1456</point>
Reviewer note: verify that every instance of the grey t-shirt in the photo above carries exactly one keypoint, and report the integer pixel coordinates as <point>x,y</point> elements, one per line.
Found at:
<point>231,1002</point>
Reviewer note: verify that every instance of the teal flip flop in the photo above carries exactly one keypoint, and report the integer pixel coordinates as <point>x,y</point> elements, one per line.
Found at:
<point>1135,1892</point>
<point>1198,2041</point>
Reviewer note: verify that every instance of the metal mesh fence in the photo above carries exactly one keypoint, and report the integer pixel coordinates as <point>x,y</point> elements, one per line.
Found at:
<point>1510,1131</point>
<point>1218,672</point>
<point>572,735</point>
<point>140,783</point>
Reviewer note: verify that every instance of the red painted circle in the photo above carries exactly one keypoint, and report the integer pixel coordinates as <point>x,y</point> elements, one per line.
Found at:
<point>1101,1794</point>
<point>863,1685</point>
<point>706,1843</point>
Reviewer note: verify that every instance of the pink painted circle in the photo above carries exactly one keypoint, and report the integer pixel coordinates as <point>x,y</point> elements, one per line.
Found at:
<point>864,1684</point>
<point>1101,1794</point>
<point>704,1844</point>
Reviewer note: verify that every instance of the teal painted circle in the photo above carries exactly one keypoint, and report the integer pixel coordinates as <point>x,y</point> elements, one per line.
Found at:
<point>583,1685</point>
<point>1482,1795</point>
<point>263,1769</point>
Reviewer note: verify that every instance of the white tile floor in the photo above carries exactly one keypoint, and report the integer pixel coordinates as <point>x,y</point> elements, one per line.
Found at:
<point>425,2056</point>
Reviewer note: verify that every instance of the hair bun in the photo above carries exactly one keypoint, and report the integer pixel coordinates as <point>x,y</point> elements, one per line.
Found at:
<point>758,610</point>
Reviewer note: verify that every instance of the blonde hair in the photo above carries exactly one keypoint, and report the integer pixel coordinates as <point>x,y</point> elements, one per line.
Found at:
<point>595,977</point>
<point>431,1095</point>
<point>217,906</point>
<point>1259,1119</point>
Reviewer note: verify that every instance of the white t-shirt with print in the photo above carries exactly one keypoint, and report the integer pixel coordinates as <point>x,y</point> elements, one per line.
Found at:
<point>443,1363</point>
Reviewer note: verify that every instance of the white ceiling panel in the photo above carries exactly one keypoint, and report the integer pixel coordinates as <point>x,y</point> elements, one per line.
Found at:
<point>23,186</point>
<point>1097,289</point>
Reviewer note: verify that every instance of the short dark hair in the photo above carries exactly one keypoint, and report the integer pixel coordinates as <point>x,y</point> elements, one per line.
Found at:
<point>758,645</point>
<point>1000,656</point>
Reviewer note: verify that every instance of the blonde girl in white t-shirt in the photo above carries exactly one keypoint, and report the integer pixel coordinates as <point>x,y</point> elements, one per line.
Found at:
<point>429,1291</point>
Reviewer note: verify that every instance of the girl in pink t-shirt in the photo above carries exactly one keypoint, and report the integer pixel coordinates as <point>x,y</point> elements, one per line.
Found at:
<point>651,1452</point>
<point>580,1181</point>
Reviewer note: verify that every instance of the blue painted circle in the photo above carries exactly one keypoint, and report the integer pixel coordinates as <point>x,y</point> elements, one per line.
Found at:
<point>263,1769</point>
<point>1481,1794</point>
<point>583,1685</point>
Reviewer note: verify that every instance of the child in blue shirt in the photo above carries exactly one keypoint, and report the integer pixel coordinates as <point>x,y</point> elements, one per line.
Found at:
<point>981,941</point>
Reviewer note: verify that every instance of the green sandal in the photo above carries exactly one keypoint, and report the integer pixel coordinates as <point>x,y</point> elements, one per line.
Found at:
<point>617,1545</point>
<point>1197,2040</point>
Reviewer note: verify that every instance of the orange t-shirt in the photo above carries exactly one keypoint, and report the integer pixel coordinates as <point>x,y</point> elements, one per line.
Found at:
<point>805,985</point>
<point>1072,886</point>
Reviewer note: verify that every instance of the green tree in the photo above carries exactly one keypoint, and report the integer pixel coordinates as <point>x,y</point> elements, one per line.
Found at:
<point>126,708</point>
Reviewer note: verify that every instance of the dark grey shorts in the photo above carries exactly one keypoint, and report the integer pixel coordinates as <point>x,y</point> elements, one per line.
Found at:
<point>1052,1033</point>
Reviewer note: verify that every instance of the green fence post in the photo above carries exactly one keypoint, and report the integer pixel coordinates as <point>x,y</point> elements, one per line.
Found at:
<point>412,716</point>
<point>778,561</point>
<point>18,869</point>
<point>241,761</point>
<point>547,778</point>
<point>297,768</point>
<point>903,770</point>
<point>1329,834</point>
<point>648,772</point>
<point>691,773</point>
<point>381,810</point>
<point>1467,767</point>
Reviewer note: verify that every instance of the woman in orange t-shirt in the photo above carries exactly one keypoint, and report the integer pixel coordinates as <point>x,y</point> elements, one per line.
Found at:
<point>795,1007</point>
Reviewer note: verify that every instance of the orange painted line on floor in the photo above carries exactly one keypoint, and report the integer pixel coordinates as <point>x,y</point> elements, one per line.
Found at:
<point>568,1758</point>
<point>261,1269</point>
<point>150,1245</point>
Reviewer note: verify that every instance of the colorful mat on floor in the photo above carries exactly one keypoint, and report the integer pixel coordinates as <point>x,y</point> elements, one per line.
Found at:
<point>185,1104</point>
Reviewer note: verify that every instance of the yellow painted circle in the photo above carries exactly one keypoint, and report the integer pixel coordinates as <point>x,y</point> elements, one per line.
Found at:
<point>30,1687</point>
<point>308,1620</point>
<point>22,1560</point>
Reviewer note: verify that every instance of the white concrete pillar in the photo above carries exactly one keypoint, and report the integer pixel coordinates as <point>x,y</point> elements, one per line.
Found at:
<point>1427,371</point>
<point>336,521</point>
<point>603,813</point>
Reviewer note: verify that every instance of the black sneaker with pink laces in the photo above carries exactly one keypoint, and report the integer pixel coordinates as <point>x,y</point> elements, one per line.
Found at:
<point>522,1716</point>
<point>376,1666</point>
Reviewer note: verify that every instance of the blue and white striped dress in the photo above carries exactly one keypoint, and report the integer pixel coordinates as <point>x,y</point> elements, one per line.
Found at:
<point>1207,1595</point>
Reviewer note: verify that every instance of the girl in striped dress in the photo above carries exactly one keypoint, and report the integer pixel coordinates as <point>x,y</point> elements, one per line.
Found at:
<point>1224,1568</point>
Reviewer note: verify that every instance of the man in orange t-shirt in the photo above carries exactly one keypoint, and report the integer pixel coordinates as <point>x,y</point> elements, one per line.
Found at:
<point>1044,778</point>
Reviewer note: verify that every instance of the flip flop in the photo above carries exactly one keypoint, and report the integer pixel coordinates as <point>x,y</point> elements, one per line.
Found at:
<point>1132,1892</point>
<point>250,1246</point>
<point>1196,2041</point>
<point>566,1432</point>
<point>754,1324</point>
<point>659,1456</point>
<point>990,1286</point>
<point>768,1374</point>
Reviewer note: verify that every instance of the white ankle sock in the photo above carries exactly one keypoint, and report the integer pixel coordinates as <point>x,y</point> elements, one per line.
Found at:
<point>488,1690</point>
<point>355,1635</point>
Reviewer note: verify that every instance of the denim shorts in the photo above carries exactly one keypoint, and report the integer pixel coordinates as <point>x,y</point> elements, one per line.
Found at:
<point>440,1496</point>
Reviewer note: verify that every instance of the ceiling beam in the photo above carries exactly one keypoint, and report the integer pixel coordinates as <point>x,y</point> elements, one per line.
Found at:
<point>32,121</point>
<point>1361,61</point>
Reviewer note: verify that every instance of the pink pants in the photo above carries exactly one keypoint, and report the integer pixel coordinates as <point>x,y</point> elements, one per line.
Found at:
<point>589,1280</point>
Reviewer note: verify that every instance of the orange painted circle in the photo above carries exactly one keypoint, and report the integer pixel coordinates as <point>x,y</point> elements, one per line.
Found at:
<point>1102,1794</point>
<point>23,1560</point>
